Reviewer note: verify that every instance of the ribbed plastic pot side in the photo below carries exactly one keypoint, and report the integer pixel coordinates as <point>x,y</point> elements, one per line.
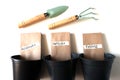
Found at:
<point>95,69</point>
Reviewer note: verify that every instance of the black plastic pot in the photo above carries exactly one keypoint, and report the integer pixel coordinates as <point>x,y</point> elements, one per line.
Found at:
<point>62,70</point>
<point>97,70</point>
<point>25,69</point>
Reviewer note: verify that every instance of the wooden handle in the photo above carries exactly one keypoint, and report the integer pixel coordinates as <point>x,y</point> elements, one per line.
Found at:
<point>63,22</point>
<point>32,20</point>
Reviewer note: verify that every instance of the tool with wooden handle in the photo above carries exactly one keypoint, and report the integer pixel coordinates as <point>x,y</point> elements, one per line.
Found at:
<point>71,19</point>
<point>50,13</point>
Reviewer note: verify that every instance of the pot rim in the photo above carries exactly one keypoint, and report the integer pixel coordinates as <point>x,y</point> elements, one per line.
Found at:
<point>18,58</point>
<point>74,56</point>
<point>108,57</point>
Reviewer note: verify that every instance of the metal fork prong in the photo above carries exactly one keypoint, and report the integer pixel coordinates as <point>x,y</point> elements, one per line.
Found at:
<point>89,18</point>
<point>86,10</point>
<point>88,14</point>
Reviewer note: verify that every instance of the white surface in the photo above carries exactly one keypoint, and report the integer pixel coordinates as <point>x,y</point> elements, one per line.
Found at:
<point>14,11</point>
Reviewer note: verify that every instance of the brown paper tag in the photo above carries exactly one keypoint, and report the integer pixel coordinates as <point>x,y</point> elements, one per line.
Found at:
<point>93,46</point>
<point>31,46</point>
<point>60,45</point>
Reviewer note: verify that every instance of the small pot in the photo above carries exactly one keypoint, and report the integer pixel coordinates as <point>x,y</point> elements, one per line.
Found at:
<point>62,70</point>
<point>95,69</point>
<point>25,69</point>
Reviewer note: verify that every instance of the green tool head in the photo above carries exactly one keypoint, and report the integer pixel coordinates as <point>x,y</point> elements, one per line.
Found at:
<point>56,11</point>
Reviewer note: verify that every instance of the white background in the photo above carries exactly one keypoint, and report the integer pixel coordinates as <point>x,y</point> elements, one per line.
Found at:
<point>14,11</point>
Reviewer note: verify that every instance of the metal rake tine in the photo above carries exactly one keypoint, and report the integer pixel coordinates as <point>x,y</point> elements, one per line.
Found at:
<point>88,14</point>
<point>89,18</point>
<point>86,10</point>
